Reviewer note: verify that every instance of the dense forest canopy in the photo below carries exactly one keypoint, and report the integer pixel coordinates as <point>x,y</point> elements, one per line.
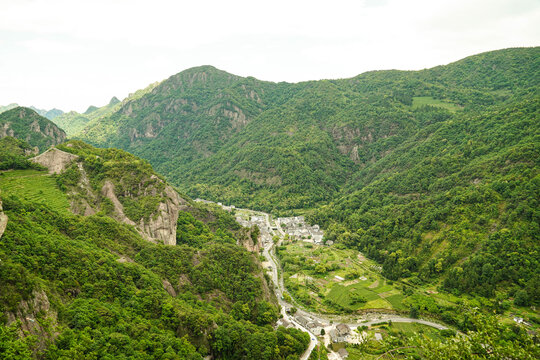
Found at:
<point>418,169</point>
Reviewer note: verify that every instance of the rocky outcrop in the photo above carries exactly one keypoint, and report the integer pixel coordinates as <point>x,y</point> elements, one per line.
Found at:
<point>162,225</point>
<point>245,240</point>
<point>107,191</point>
<point>55,160</point>
<point>3,220</point>
<point>159,226</point>
<point>36,317</point>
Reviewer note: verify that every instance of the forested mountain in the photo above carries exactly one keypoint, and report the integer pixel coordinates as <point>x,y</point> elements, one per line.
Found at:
<point>434,173</point>
<point>93,287</point>
<point>73,122</point>
<point>292,146</point>
<point>24,123</point>
<point>49,114</point>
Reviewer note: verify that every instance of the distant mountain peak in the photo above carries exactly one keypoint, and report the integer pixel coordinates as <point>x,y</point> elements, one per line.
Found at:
<point>90,109</point>
<point>114,101</point>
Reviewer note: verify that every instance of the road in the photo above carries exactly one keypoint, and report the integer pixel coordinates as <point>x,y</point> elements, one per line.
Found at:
<point>269,254</point>
<point>279,289</point>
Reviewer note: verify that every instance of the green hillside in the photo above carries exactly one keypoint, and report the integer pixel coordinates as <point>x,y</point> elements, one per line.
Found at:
<point>73,122</point>
<point>25,124</point>
<point>428,172</point>
<point>459,201</point>
<point>91,287</point>
<point>292,146</point>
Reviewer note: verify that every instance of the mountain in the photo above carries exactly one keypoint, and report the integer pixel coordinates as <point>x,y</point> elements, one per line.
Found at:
<point>73,122</point>
<point>285,146</point>
<point>49,114</point>
<point>26,124</point>
<point>429,172</point>
<point>97,286</point>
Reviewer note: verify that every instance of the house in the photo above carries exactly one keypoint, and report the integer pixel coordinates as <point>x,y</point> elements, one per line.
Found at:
<point>315,327</point>
<point>286,324</point>
<point>302,320</point>
<point>343,329</point>
<point>334,337</point>
<point>339,334</point>
<point>343,353</point>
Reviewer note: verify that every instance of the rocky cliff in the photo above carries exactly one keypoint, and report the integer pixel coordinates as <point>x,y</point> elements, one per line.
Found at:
<point>118,184</point>
<point>55,160</point>
<point>3,220</point>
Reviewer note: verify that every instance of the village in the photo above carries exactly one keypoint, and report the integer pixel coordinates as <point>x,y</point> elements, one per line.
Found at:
<point>333,334</point>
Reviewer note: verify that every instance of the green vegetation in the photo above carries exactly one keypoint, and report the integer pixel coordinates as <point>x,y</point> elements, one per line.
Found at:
<point>138,188</point>
<point>91,287</point>
<point>283,147</point>
<point>429,101</point>
<point>25,124</point>
<point>489,340</point>
<point>35,186</point>
<point>14,153</point>
<point>336,280</point>
<point>74,123</point>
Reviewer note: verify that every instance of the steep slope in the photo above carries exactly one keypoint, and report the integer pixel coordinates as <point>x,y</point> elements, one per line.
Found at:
<point>117,183</point>
<point>457,201</point>
<point>92,287</point>
<point>291,146</point>
<point>26,124</point>
<point>73,122</point>
<point>429,172</point>
<point>49,114</point>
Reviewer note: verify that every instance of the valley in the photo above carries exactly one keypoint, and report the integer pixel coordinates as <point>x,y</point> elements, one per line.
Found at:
<point>393,214</point>
<point>314,320</point>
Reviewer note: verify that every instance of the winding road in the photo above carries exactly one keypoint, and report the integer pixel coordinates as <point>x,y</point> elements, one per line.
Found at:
<point>269,255</point>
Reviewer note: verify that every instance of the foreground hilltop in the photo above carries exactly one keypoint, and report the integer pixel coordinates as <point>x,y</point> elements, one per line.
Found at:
<point>92,285</point>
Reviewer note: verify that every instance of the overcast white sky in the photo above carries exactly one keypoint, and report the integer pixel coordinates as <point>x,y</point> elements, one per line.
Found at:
<point>71,54</point>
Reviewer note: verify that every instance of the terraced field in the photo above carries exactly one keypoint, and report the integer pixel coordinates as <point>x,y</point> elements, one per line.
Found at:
<point>334,279</point>
<point>33,185</point>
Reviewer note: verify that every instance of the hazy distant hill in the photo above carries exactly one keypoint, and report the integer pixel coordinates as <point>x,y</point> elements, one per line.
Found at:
<point>74,122</point>
<point>49,114</point>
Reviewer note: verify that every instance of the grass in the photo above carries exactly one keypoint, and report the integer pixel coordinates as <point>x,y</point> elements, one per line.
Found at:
<point>327,287</point>
<point>396,301</point>
<point>34,185</point>
<point>428,100</point>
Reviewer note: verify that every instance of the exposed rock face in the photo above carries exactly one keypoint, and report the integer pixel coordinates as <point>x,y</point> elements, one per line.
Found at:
<point>160,226</point>
<point>247,242</point>
<point>55,160</point>
<point>107,191</point>
<point>28,312</point>
<point>163,226</point>
<point>3,220</point>
<point>6,130</point>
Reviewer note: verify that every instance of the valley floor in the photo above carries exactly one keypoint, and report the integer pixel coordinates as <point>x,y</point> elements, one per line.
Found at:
<point>332,328</point>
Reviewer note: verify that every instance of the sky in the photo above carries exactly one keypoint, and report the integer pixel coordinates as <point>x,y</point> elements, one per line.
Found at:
<point>70,54</point>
